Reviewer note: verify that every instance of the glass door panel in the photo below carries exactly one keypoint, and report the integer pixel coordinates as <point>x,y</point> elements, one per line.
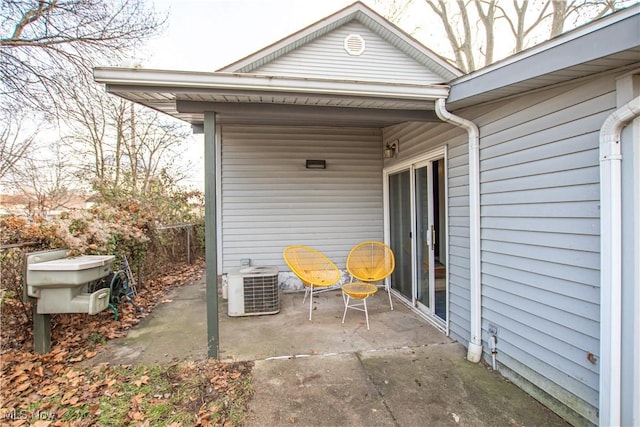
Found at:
<point>430,225</point>
<point>439,235</point>
<point>423,234</point>
<point>400,231</point>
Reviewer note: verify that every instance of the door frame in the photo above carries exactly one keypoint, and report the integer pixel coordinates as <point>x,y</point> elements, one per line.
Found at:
<point>410,164</point>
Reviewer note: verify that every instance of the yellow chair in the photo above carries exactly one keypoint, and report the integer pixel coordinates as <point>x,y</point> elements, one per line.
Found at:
<point>316,271</point>
<point>368,262</point>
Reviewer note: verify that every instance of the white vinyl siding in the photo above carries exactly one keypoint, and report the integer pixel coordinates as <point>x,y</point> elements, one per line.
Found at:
<point>325,57</point>
<point>419,138</point>
<point>540,240</point>
<point>270,200</point>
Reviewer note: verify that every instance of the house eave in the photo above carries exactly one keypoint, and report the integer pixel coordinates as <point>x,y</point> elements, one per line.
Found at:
<point>164,90</point>
<point>267,83</point>
<point>608,43</point>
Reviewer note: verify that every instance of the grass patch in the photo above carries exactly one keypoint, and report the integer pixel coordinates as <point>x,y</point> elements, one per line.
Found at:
<point>191,393</point>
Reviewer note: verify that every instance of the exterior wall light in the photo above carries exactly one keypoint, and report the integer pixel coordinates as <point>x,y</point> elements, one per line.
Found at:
<point>316,164</point>
<point>391,149</point>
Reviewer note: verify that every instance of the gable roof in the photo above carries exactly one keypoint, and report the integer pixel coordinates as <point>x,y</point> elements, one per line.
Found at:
<point>608,43</point>
<point>241,94</point>
<point>355,12</point>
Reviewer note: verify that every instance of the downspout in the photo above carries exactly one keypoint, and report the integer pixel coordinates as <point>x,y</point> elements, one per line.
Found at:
<point>474,352</point>
<point>611,261</point>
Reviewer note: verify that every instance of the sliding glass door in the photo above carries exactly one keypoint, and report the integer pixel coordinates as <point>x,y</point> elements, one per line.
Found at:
<point>417,208</point>
<point>400,236</point>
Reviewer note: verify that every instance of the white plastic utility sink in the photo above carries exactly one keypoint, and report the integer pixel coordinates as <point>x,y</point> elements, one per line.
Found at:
<point>69,271</point>
<point>60,283</point>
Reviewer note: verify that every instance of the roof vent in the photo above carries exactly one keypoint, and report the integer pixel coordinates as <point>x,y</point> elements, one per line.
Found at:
<point>354,44</point>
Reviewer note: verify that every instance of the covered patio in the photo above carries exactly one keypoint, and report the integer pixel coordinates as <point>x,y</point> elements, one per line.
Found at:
<point>402,372</point>
<point>260,127</point>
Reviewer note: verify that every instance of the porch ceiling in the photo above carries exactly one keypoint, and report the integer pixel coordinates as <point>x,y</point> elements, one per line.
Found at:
<point>258,99</point>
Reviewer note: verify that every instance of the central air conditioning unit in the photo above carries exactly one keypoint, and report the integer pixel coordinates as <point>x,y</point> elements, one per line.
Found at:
<point>253,291</point>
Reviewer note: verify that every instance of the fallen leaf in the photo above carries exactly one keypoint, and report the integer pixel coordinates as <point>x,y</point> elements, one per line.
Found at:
<point>22,387</point>
<point>71,374</point>
<point>136,415</point>
<point>69,398</point>
<point>20,377</point>
<point>49,390</point>
<point>59,355</point>
<point>23,367</point>
<point>143,380</point>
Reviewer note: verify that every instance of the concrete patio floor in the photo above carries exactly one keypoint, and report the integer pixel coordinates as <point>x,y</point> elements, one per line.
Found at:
<point>402,372</point>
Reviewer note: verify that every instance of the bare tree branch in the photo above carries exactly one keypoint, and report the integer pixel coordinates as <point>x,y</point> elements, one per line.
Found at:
<point>462,58</point>
<point>15,141</point>
<point>488,19</point>
<point>43,43</point>
<point>46,182</point>
<point>121,146</point>
<point>527,21</point>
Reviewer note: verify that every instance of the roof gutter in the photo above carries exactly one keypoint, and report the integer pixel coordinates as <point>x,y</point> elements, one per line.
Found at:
<point>141,78</point>
<point>474,352</point>
<point>611,261</point>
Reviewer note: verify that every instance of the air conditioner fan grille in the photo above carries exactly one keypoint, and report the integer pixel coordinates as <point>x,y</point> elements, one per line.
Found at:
<point>261,294</point>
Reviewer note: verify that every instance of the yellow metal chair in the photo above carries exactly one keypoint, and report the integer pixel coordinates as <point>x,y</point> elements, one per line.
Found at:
<point>368,262</point>
<point>316,271</point>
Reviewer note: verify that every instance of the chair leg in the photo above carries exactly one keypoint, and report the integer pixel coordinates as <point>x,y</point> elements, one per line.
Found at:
<point>345,298</point>
<point>388,288</point>
<point>310,301</point>
<point>366,313</point>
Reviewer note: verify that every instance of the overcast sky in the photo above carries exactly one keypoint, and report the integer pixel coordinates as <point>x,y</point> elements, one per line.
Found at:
<point>204,35</point>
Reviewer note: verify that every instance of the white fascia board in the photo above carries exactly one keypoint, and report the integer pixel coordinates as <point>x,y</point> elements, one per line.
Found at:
<point>556,41</point>
<point>414,48</point>
<point>173,80</point>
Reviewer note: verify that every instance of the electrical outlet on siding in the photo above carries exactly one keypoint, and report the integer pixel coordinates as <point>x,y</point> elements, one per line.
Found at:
<point>493,330</point>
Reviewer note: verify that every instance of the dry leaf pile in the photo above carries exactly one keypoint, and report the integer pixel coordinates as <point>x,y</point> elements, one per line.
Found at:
<point>53,390</point>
